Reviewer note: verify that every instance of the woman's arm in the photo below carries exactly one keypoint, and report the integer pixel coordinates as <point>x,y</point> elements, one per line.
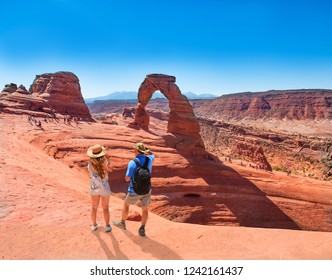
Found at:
<point>107,165</point>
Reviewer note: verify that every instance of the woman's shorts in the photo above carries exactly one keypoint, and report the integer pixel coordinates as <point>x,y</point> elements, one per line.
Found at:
<point>133,198</point>
<point>101,193</point>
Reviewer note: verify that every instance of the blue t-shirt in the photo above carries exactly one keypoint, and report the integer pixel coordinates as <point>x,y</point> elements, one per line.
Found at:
<point>132,168</point>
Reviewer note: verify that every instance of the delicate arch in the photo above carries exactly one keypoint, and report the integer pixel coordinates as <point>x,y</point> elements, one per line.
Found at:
<point>182,120</point>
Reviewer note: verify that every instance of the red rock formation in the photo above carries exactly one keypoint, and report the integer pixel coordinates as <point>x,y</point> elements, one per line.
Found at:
<point>58,91</point>
<point>63,92</point>
<point>302,155</point>
<point>19,100</point>
<point>110,106</point>
<point>182,121</point>
<point>303,151</point>
<point>251,153</point>
<point>289,104</point>
<point>9,88</point>
<point>141,117</point>
<point>22,90</point>
<point>128,112</point>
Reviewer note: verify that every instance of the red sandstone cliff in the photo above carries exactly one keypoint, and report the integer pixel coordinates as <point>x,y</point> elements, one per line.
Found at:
<point>292,129</point>
<point>289,104</point>
<point>62,91</point>
<point>59,92</point>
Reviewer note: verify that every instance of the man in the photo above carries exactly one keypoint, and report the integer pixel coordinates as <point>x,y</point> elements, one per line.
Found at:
<point>142,154</point>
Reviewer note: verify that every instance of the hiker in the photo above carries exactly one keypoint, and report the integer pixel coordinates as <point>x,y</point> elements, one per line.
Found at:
<point>98,167</point>
<point>142,154</point>
<point>38,123</point>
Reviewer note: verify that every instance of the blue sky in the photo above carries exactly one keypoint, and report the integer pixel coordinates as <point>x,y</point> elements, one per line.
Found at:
<point>210,46</point>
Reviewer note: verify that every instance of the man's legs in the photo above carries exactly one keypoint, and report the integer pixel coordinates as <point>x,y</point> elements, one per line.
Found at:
<point>145,214</point>
<point>125,211</point>
<point>145,201</point>
<point>131,199</point>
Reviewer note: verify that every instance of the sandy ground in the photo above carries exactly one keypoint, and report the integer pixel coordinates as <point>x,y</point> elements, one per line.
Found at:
<point>45,214</point>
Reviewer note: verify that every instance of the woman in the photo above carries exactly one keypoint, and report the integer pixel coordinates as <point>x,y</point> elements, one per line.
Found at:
<point>98,167</point>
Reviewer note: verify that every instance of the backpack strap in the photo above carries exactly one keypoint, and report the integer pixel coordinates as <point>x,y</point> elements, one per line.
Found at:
<point>138,165</point>
<point>145,166</point>
<point>146,163</point>
<point>137,162</point>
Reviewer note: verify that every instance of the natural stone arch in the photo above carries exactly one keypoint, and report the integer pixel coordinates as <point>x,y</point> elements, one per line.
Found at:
<point>182,121</point>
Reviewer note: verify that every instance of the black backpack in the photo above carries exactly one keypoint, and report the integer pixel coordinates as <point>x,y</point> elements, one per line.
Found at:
<point>142,178</point>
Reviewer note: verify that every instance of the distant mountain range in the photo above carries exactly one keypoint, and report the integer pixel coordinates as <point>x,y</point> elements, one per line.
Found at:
<point>132,95</point>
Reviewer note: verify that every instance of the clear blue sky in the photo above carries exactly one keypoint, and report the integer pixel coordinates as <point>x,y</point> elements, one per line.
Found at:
<point>210,46</point>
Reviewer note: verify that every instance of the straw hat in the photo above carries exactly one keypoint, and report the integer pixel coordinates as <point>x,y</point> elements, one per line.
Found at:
<point>141,148</point>
<point>96,151</point>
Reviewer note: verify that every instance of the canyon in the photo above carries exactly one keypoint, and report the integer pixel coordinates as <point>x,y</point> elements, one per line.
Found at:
<point>293,135</point>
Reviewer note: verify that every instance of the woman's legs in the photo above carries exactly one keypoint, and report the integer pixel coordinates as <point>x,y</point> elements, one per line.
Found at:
<point>105,204</point>
<point>95,203</point>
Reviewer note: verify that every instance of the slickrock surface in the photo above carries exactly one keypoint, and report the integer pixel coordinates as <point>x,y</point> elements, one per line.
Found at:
<point>212,210</point>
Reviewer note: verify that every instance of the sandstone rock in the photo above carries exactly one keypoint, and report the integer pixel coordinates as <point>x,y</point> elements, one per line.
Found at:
<point>62,91</point>
<point>283,150</point>
<point>287,104</point>
<point>110,119</point>
<point>182,121</point>
<point>252,153</point>
<point>141,117</point>
<point>59,92</point>
<point>128,112</point>
<point>22,90</point>
<point>110,106</point>
<point>134,216</point>
<point>19,100</point>
<point>9,88</point>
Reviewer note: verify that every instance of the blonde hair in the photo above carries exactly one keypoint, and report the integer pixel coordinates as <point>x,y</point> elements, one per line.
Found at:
<point>98,165</point>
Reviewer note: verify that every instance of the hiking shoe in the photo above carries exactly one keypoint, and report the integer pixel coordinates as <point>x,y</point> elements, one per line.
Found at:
<point>95,227</point>
<point>108,228</point>
<point>120,224</point>
<point>141,231</point>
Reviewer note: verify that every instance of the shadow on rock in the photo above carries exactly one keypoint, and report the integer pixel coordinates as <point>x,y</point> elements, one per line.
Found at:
<point>225,198</point>
<point>153,247</point>
<point>117,255</point>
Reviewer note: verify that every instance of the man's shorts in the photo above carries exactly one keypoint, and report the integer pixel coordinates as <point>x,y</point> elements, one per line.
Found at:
<point>133,198</point>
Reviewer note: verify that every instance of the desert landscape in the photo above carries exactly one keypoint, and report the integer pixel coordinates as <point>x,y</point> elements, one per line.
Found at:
<point>242,176</point>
